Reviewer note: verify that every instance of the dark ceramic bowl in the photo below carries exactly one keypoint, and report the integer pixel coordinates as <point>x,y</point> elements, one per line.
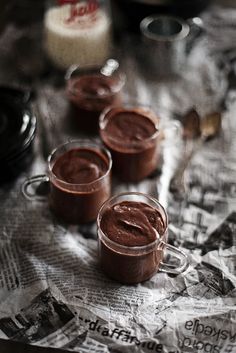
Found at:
<point>17,132</point>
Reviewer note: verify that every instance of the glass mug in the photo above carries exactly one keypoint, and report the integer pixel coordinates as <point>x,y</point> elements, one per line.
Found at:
<point>135,264</point>
<point>91,89</point>
<point>79,175</point>
<point>131,132</point>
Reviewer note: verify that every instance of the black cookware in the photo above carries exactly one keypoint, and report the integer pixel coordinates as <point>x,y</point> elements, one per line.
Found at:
<point>17,132</point>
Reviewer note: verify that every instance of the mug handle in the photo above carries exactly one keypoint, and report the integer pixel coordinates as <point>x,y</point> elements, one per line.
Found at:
<point>197,28</point>
<point>180,255</point>
<point>37,179</point>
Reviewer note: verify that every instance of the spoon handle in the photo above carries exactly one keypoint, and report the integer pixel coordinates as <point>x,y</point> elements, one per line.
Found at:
<point>178,184</point>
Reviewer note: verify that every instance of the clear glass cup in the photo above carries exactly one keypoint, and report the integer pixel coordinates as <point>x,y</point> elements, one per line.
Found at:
<point>72,202</point>
<point>135,158</point>
<point>91,89</point>
<point>77,32</point>
<point>131,265</point>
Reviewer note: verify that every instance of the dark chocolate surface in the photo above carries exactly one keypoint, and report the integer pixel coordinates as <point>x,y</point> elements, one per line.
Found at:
<point>92,86</point>
<point>127,127</point>
<point>132,223</point>
<point>80,166</point>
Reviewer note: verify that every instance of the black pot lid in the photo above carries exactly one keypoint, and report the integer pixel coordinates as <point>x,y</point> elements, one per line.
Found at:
<point>17,123</point>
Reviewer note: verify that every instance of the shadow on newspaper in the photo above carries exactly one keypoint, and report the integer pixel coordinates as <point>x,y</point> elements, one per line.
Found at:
<point>43,316</point>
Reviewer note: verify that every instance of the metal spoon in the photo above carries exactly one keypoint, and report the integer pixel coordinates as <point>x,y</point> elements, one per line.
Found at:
<point>171,159</point>
<point>209,127</point>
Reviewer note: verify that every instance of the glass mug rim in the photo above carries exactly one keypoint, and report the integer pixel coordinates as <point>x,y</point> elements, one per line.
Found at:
<point>130,107</point>
<point>182,34</point>
<point>79,143</point>
<point>132,250</point>
<point>93,69</point>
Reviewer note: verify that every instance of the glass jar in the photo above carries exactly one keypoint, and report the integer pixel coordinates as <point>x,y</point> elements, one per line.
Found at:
<point>77,32</point>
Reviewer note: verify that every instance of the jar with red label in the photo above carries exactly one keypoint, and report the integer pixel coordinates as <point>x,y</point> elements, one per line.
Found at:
<point>77,32</point>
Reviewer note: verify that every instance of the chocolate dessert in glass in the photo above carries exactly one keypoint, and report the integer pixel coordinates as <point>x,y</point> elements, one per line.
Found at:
<point>79,175</point>
<point>131,135</point>
<point>90,90</point>
<point>132,235</point>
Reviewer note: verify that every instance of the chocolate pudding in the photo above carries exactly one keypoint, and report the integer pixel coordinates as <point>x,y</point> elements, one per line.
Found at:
<point>131,136</point>
<point>128,246</point>
<point>90,95</point>
<point>80,183</point>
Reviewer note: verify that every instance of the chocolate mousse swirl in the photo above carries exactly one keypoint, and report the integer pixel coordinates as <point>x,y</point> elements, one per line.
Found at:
<point>80,166</point>
<point>127,128</point>
<point>132,223</point>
